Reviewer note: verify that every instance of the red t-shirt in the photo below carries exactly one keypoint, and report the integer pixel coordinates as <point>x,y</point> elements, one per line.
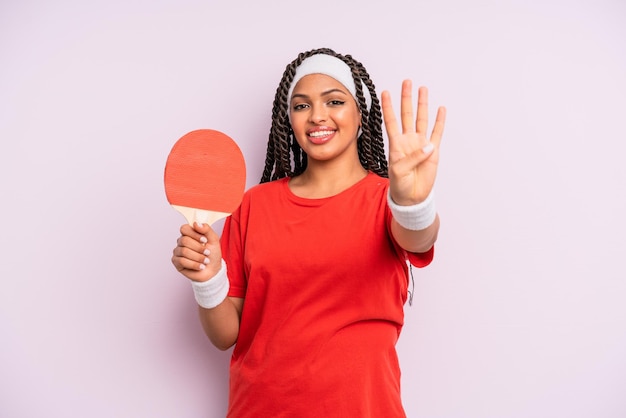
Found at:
<point>324,286</point>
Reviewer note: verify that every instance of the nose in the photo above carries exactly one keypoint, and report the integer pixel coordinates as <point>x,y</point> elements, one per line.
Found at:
<point>318,114</point>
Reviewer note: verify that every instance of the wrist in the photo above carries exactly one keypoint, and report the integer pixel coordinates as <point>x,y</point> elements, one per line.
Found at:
<point>414,217</point>
<point>214,291</point>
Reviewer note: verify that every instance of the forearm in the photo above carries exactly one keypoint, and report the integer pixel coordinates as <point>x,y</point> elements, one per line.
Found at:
<point>221,323</point>
<point>415,226</point>
<point>416,241</point>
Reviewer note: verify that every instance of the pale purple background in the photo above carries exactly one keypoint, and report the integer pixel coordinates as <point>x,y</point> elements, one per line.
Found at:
<point>522,314</point>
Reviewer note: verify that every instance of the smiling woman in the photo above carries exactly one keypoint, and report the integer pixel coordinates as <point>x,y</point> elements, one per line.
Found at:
<point>315,258</point>
<point>324,113</point>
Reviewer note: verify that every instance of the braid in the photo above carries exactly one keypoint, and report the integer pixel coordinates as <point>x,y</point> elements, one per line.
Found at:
<point>378,159</point>
<point>285,158</point>
<point>370,143</point>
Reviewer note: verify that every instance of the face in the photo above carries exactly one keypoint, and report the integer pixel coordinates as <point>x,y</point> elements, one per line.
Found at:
<point>325,118</point>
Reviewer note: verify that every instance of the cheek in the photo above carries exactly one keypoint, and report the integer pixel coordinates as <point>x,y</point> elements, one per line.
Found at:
<point>297,120</point>
<point>351,117</point>
<point>297,126</point>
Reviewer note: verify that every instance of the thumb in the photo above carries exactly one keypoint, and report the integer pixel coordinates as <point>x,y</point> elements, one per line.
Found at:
<point>206,231</point>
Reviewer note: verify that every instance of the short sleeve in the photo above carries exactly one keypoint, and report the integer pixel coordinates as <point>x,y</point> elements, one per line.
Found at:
<point>416,259</point>
<point>421,259</point>
<point>230,243</point>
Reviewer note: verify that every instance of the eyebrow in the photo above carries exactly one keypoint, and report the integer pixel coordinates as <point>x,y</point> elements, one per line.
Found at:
<point>324,93</point>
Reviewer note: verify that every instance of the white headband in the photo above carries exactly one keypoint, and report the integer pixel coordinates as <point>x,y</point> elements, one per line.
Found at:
<point>332,67</point>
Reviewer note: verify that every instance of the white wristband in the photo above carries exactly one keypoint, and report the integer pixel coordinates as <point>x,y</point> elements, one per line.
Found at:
<point>414,217</point>
<point>211,293</point>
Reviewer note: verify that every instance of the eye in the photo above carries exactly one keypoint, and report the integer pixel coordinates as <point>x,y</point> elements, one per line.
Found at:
<point>300,106</point>
<point>336,102</point>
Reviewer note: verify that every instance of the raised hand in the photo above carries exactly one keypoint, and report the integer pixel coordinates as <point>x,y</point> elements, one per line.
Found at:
<point>413,156</point>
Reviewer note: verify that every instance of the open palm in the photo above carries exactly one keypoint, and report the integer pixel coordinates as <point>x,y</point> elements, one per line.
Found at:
<point>413,156</point>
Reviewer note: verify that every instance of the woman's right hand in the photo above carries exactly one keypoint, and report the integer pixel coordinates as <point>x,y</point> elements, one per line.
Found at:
<point>198,253</point>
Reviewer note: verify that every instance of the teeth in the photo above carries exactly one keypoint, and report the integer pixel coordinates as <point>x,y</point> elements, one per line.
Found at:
<point>320,133</point>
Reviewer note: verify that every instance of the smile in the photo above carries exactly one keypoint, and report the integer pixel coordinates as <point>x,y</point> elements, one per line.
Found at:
<point>319,134</point>
<point>321,137</point>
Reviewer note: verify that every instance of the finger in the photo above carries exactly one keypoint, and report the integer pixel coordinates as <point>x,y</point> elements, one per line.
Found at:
<point>197,232</point>
<point>194,231</point>
<point>406,106</point>
<point>192,244</point>
<point>212,235</point>
<point>389,117</point>
<point>421,123</point>
<point>440,122</point>
<point>200,227</point>
<point>184,264</point>
<point>188,257</point>
<point>186,229</point>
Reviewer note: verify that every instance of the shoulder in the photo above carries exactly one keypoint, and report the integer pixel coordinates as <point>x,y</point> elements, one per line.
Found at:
<point>376,180</point>
<point>266,189</point>
<point>259,196</point>
<point>263,192</point>
<point>374,184</point>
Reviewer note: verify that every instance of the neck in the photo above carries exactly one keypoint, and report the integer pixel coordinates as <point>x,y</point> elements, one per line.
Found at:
<point>325,179</point>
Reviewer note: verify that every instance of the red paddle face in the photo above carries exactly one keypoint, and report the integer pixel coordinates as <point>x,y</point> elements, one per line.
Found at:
<point>205,176</point>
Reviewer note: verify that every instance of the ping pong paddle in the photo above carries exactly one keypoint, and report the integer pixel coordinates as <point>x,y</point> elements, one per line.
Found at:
<point>205,176</point>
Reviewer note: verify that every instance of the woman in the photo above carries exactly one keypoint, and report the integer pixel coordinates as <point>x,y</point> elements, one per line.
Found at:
<point>310,276</point>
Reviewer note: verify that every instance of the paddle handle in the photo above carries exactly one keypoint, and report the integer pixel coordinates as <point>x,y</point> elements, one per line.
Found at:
<point>200,216</point>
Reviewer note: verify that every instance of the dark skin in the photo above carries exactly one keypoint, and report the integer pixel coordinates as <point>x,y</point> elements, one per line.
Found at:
<point>332,167</point>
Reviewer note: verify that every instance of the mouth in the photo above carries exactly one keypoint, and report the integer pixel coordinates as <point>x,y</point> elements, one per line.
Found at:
<point>321,136</point>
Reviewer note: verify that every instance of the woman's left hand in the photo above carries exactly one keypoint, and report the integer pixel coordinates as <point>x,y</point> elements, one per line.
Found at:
<point>413,156</point>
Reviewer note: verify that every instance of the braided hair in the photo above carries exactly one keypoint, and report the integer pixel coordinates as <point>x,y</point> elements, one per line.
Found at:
<point>285,158</point>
